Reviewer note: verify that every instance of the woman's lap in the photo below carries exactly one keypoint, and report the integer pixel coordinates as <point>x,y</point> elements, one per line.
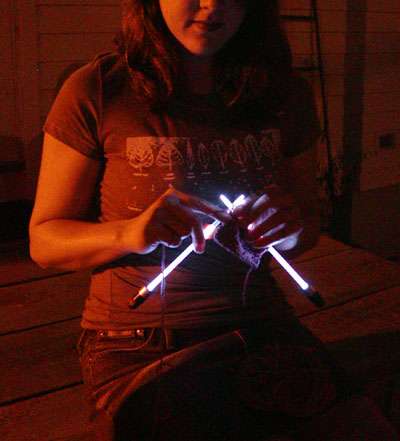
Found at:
<point>281,378</point>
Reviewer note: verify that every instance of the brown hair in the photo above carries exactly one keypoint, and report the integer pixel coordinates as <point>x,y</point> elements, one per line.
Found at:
<point>257,56</point>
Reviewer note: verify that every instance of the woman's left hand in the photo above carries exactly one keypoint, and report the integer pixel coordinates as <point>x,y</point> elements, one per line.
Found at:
<point>271,218</point>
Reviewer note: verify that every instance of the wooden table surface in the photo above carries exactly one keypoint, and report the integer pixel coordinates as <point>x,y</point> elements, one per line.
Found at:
<point>40,383</point>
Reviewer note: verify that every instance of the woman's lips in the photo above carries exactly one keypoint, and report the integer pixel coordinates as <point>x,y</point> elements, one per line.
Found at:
<point>205,26</point>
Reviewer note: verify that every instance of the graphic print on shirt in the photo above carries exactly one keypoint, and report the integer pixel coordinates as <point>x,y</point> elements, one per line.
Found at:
<point>200,165</point>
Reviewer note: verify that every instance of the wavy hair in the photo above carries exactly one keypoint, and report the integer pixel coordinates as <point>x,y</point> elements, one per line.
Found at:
<point>257,57</point>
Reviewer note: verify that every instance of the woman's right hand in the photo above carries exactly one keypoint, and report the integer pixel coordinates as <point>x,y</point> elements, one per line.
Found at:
<point>168,220</point>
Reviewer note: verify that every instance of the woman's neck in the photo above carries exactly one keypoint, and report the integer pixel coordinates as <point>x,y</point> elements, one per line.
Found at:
<point>198,75</point>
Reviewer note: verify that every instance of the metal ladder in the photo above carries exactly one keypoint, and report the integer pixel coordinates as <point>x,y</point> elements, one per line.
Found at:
<point>313,19</point>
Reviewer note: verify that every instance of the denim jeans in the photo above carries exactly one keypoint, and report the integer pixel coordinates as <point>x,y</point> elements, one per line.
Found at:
<point>259,380</point>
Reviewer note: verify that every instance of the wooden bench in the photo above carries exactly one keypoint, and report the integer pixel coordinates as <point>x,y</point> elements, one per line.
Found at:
<point>40,383</point>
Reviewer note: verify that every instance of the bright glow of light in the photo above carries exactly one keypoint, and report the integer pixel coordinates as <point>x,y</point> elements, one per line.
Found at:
<point>283,262</point>
<point>155,282</point>
<point>295,275</point>
<point>226,201</point>
<point>229,205</point>
<point>208,232</point>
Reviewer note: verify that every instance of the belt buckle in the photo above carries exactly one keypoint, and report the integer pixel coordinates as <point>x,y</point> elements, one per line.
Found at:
<point>138,333</point>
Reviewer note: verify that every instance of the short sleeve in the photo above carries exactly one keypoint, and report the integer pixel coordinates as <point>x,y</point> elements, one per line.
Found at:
<point>74,117</point>
<point>302,126</point>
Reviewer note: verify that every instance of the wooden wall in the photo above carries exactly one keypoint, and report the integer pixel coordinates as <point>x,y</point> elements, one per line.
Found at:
<point>11,148</point>
<point>71,31</point>
<point>40,39</point>
<point>376,200</point>
<point>51,37</point>
<point>381,167</point>
<point>7,79</point>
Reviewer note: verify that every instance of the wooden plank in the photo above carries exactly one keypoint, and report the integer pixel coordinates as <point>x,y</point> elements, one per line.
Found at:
<point>364,337</point>
<point>45,301</point>
<point>340,278</point>
<point>60,416</point>
<point>387,101</point>
<point>325,246</point>
<point>382,22</point>
<point>330,21</point>
<point>73,47</point>
<point>31,303</point>
<point>50,73</point>
<point>305,4</point>
<point>78,2</point>
<point>46,101</point>
<point>48,352</point>
<point>386,43</point>
<point>6,55</point>
<point>49,355</point>
<point>69,19</point>
<point>383,5</point>
<point>38,360</point>
<point>14,269</point>
<point>332,42</point>
<point>376,313</point>
<point>8,122</point>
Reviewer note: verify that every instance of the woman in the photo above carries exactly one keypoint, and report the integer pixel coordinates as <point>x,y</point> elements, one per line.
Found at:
<point>199,100</point>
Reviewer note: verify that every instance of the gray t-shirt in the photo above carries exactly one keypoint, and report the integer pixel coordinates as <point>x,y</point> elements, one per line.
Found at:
<point>195,147</point>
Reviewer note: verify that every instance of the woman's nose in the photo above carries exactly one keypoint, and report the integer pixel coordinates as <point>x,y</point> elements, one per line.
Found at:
<point>211,4</point>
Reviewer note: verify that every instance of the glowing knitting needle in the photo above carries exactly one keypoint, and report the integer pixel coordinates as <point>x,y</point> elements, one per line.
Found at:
<point>309,291</point>
<point>145,292</point>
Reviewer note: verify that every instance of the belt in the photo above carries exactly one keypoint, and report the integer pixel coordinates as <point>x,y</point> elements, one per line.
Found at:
<point>173,338</point>
<point>129,333</point>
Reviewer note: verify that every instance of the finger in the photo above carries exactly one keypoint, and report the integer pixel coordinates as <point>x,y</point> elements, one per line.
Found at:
<point>260,206</point>
<point>241,210</point>
<point>161,233</point>
<point>284,233</point>
<point>281,217</point>
<point>201,205</point>
<point>169,238</point>
<point>183,221</point>
<point>253,209</point>
<point>198,239</point>
<point>265,208</point>
<point>179,221</point>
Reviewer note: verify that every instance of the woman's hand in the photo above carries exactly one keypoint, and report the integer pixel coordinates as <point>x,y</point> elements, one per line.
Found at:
<point>270,219</point>
<point>169,220</point>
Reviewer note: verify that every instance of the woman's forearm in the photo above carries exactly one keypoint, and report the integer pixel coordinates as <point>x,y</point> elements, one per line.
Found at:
<point>74,245</point>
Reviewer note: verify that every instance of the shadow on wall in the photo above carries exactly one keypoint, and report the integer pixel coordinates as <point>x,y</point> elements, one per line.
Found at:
<point>12,184</point>
<point>19,178</point>
<point>35,145</point>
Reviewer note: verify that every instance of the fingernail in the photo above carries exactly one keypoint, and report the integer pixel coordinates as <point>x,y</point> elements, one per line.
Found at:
<point>199,248</point>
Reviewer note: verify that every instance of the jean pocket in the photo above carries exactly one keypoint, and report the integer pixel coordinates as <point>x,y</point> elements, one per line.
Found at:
<point>112,357</point>
<point>148,342</point>
<point>86,336</point>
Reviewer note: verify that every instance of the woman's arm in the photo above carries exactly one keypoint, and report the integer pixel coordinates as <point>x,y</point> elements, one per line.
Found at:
<point>61,236</point>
